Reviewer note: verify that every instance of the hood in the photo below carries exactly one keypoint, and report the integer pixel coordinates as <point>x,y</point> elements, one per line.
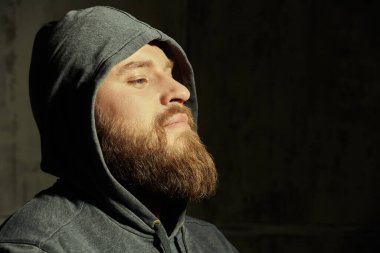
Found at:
<point>70,59</point>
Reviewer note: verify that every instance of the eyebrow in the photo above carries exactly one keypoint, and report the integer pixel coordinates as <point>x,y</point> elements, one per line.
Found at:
<point>141,64</point>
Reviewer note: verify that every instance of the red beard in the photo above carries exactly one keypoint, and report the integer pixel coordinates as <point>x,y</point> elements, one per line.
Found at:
<point>143,159</point>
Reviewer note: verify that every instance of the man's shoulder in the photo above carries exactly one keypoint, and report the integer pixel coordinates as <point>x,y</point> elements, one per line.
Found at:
<point>204,234</point>
<point>38,220</point>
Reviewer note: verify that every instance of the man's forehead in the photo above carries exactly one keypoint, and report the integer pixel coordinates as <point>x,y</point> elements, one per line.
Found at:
<point>130,64</point>
<point>149,56</point>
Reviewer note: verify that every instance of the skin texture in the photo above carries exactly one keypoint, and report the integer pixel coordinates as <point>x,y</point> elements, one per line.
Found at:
<point>141,87</point>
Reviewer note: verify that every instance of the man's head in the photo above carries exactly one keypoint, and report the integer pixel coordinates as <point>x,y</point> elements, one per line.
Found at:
<point>147,134</point>
<point>110,109</point>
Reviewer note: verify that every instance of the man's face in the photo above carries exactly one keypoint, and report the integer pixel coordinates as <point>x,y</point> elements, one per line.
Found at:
<point>140,88</point>
<point>147,135</point>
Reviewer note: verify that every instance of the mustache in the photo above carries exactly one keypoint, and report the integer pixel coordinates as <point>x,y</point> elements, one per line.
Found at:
<point>172,110</point>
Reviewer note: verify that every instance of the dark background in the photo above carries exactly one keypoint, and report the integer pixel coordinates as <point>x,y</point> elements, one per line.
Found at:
<point>289,107</point>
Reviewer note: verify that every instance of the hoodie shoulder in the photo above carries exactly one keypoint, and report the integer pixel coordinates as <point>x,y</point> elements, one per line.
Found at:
<point>32,225</point>
<point>203,236</point>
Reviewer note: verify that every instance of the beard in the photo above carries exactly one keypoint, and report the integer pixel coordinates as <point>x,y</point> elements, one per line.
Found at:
<point>142,159</point>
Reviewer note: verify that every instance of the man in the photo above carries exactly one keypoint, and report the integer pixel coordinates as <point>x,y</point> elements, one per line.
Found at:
<point>110,96</point>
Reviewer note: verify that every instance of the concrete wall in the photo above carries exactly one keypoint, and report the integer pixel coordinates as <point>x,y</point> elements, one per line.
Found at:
<point>289,107</point>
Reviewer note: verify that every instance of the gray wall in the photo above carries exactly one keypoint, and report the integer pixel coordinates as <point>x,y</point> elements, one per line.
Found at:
<point>289,108</point>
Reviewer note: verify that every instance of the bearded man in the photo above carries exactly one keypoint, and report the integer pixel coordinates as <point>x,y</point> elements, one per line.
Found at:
<point>114,100</point>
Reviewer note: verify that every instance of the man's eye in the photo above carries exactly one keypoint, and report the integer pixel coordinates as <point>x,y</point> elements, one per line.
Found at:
<point>138,82</point>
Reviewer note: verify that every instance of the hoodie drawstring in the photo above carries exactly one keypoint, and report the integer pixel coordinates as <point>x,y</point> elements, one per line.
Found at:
<point>162,237</point>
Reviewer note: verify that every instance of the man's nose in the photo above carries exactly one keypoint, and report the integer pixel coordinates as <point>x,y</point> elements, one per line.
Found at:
<point>174,92</point>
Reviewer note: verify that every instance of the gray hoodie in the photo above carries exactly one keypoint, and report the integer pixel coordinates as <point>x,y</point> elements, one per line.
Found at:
<point>87,210</point>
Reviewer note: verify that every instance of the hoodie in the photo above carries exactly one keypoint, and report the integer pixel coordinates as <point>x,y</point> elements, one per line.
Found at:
<point>87,209</point>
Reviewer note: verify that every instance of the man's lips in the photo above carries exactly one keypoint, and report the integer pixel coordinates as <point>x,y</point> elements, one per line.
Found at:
<point>177,119</point>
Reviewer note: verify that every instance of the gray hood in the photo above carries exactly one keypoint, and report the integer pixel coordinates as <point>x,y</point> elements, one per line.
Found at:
<point>70,59</point>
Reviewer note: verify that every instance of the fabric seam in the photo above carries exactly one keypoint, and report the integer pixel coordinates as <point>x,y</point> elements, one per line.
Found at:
<point>61,227</point>
<point>25,243</point>
<point>130,230</point>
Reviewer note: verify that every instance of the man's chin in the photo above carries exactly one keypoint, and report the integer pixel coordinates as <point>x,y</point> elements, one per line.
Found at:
<point>178,136</point>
